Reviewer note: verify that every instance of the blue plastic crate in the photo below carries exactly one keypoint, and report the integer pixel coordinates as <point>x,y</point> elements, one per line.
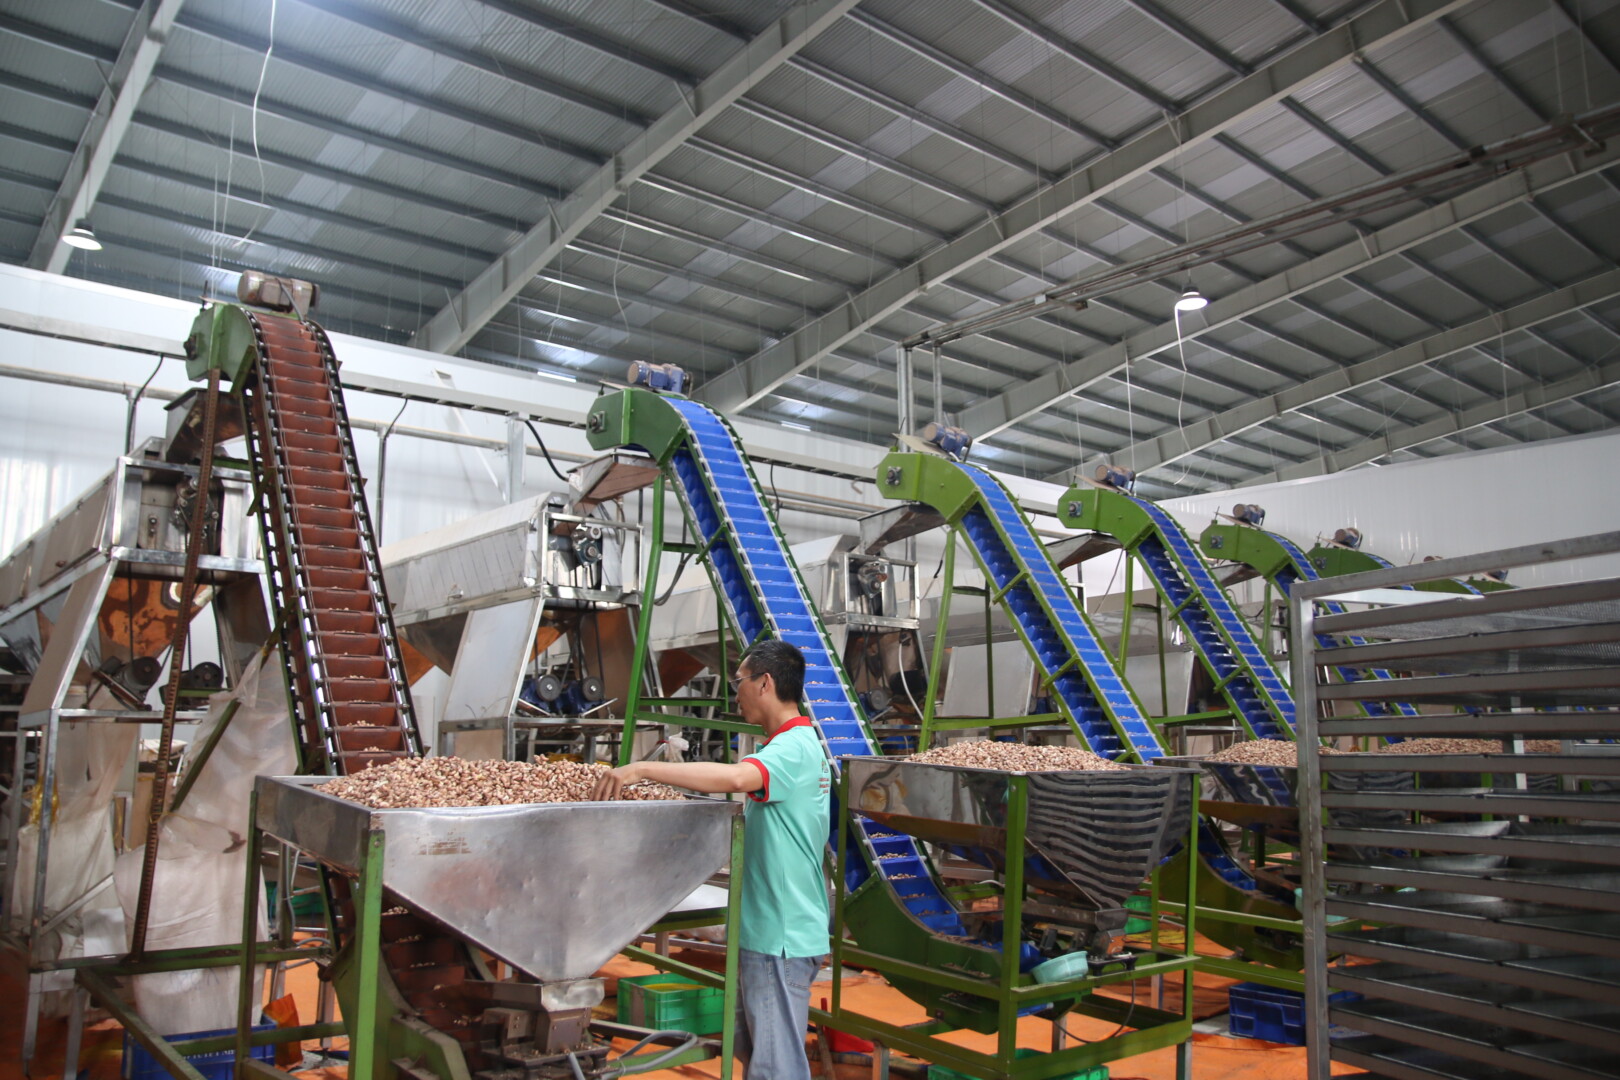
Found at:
<point>1266,1012</point>
<point>219,1065</point>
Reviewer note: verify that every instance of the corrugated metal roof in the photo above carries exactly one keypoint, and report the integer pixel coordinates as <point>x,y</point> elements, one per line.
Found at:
<point>406,143</point>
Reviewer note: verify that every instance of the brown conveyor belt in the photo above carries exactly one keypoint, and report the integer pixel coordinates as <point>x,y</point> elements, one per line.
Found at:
<point>351,699</point>
<point>354,706</point>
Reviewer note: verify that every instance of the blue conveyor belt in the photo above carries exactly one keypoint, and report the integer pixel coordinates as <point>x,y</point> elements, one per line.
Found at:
<point>1083,674</point>
<point>1086,681</point>
<point>1221,636</point>
<point>766,597</point>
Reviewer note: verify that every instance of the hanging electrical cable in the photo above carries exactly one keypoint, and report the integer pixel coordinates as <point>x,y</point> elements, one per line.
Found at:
<point>558,473</point>
<point>135,399</point>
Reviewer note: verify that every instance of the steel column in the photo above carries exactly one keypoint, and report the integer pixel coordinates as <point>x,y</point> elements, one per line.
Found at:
<point>1313,902</point>
<point>649,597</point>
<point>936,660</point>
<point>728,1032</point>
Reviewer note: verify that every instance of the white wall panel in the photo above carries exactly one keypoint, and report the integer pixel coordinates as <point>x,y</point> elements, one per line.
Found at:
<point>1460,504</point>
<point>56,440</point>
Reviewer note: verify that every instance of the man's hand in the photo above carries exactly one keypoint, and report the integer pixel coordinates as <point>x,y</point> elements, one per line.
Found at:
<point>613,782</point>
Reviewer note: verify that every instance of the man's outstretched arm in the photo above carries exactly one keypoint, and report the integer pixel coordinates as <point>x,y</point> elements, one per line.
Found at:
<point>709,777</point>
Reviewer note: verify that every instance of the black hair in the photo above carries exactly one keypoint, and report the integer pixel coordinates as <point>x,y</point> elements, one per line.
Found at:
<point>783,662</point>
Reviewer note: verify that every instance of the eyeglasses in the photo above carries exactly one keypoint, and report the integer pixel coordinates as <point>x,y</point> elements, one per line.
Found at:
<point>737,681</point>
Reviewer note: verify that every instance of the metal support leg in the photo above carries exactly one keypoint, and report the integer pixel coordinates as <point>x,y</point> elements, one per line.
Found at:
<point>989,652</point>
<point>644,614</point>
<point>75,1035</point>
<point>1312,855</point>
<point>880,1061</point>
<point>936,661</point>
<point>325,1009</point>
<point>364,1036</point>
<point>250,935</point>
<point>14,818</point>
<point>36,988</point>
<point>1012,917</point>
<point>1125,614</point>
<point>47,819</point>
<point>728,1031</point>
<point>840,890</point>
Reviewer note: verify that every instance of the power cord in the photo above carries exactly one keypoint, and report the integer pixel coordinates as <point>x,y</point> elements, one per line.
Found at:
<point>1127,1023</point>
<point>129,418</point>
<point>554,470</point>
<point>680,568</point>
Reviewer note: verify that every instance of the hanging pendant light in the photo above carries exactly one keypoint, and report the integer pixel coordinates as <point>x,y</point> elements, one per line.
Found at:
<point>1191,300</point>
<point>82,237</point>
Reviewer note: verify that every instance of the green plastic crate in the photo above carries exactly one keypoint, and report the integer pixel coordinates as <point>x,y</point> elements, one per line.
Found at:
<point>1138,903</point>
<point>304,904</point>
<point>669,1003</point>
<point>1096,1072</point>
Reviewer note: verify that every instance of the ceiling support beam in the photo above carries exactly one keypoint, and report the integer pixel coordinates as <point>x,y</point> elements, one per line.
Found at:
<point>459,320</point>
<point>1095,64</point>
<point>1382,24</point>
<point>1577,23</point>
<point>103,134</point>
<point>1529,399</point>
<point>983,81</point>
<point>1206,432</point>
<point>1008,408</point>
<point>489,63</point>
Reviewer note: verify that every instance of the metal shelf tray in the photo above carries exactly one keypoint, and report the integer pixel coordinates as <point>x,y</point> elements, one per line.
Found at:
<point>1391,1059</point>
<point>1534,967</point>
<point>1479,1042</point>
<point>1506,920</point>
<point>1533,1012</point>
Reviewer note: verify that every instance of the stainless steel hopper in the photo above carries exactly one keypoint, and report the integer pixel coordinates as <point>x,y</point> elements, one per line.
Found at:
<point>555,889</point>
<point>1090,838</point>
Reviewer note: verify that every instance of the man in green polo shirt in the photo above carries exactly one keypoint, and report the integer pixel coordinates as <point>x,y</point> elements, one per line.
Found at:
<point>783,934</point>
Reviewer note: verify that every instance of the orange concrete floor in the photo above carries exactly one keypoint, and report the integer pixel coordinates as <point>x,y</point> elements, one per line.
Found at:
<point>1214,1057</point>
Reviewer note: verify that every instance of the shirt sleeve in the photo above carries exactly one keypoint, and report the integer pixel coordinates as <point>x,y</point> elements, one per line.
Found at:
<point>778,761</point>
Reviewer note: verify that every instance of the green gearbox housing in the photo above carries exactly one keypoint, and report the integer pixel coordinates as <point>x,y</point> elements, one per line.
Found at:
<point>222,337</point>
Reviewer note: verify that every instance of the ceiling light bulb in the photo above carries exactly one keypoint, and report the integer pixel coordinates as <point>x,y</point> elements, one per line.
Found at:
<point>81,237</point>
<point>1191,300</point>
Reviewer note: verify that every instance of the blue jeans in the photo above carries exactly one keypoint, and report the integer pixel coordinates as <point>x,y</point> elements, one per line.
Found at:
<point>773,1011</point>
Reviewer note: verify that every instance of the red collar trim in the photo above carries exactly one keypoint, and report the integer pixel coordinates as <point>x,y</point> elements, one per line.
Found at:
<point>797,721</point>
